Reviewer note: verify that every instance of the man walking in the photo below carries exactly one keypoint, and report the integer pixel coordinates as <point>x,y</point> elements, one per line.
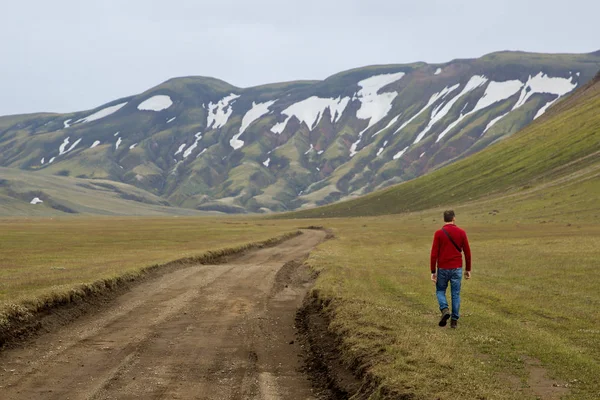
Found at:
<point>446,252</point>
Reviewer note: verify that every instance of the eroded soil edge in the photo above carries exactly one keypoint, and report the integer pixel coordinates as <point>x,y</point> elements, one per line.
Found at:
<point>25,321</point>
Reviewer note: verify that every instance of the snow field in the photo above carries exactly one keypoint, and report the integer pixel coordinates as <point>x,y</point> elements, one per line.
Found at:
<point>374,106</point>
<point>190,149</point>
<point>156,103</point>
<point>180,149</point>
<point>495,92</point>
<point>542,83</point>
<point>257,111</point>
<point>62,149</point>
<point>400,153</point>
<point>435,97</point>
<point>105,112</point>
<point>311,110</point>
<point>219,113</point>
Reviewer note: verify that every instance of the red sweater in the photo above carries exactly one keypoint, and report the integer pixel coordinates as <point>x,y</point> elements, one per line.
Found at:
<point>443,252</point>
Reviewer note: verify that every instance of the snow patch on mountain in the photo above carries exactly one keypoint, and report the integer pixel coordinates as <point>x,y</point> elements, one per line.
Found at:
<point>105,112</point>
<point>67,123</point>
<point>180,149</point>
<point>382,148</point>
<point>311,110</point>
<point>96,143</point>
<point>132,146</point>
<point>435,97</point>
<point>542,110</point>
<point>73,145</point>
<point>493,122</point>
<point>63,146</point>
<point>498,91</point>
<point>219,112</point>
<point>309,150</point>
<point>392,122</point>
<point>51,160</point>
<point>190,149</point>
<point>495,92</point>
<point>171,120</point>
<point>267,162</point>
<point>257,111</point>
<point>156,103</point>
<point>118,143</point>
<point>440,112</point>
<point>43,160</point>
<point>36,200</point>
<point>202,152</point>
<point>542,83</point>
<point>400,153</point>
<point>438,71</point>
<point>374,106</point>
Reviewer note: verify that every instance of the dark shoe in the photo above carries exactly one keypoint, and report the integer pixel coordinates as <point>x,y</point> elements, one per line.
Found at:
<point>454,324</point>
<point>445,317</point>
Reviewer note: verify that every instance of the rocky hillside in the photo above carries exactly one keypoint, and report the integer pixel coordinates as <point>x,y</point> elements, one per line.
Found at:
<point>204,144</point>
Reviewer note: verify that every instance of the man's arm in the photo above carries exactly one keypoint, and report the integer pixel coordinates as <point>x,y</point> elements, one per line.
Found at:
<point>435,249</point>
<point>467,250</point>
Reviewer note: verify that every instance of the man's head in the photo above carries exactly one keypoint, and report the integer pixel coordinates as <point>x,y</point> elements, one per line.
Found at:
<point>449,216</point>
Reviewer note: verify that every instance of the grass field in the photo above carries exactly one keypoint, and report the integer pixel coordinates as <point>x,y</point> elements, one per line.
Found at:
<point>43,257</point>
<point>533,296</point>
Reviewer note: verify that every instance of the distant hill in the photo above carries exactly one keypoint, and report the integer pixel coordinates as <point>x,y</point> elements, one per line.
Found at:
<point>203,144</point>
<point>561,149</point>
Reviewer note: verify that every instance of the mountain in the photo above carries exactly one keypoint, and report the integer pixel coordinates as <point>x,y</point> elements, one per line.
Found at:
<point>550,167</point>
<point>203,144</point>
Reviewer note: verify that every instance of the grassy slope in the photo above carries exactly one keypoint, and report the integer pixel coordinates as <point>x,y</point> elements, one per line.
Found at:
<point>85,196</point>
<point>535,154</point>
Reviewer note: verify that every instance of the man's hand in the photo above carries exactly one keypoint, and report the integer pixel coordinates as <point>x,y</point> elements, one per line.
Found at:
<point>434,277</point>
<point>468,275</point>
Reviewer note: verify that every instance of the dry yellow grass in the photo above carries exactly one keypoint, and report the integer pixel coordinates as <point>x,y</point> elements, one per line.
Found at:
<point>41,257</point>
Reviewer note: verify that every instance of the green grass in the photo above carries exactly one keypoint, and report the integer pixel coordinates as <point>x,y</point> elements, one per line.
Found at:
<point>533,294</point>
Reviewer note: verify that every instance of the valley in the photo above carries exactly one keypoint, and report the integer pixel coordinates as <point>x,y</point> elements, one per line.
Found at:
<point>171,302</point>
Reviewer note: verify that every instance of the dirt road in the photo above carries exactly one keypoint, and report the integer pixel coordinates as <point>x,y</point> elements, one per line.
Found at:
<point>201,332</point>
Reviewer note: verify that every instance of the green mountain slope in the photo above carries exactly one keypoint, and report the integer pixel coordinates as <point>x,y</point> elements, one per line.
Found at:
<point>27,193</point>
<point>559,150</point>
<point>201,143</point>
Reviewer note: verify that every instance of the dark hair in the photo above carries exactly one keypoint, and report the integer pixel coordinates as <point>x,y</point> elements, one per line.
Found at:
<point>448,215</point>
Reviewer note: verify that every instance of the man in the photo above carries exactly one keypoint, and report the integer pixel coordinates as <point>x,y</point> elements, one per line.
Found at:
<point>446,253</point>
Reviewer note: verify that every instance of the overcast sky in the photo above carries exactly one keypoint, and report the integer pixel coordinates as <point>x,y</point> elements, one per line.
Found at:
<point>69,55</point>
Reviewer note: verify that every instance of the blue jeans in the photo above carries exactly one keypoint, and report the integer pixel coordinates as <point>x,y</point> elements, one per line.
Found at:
<point>454,277</point>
